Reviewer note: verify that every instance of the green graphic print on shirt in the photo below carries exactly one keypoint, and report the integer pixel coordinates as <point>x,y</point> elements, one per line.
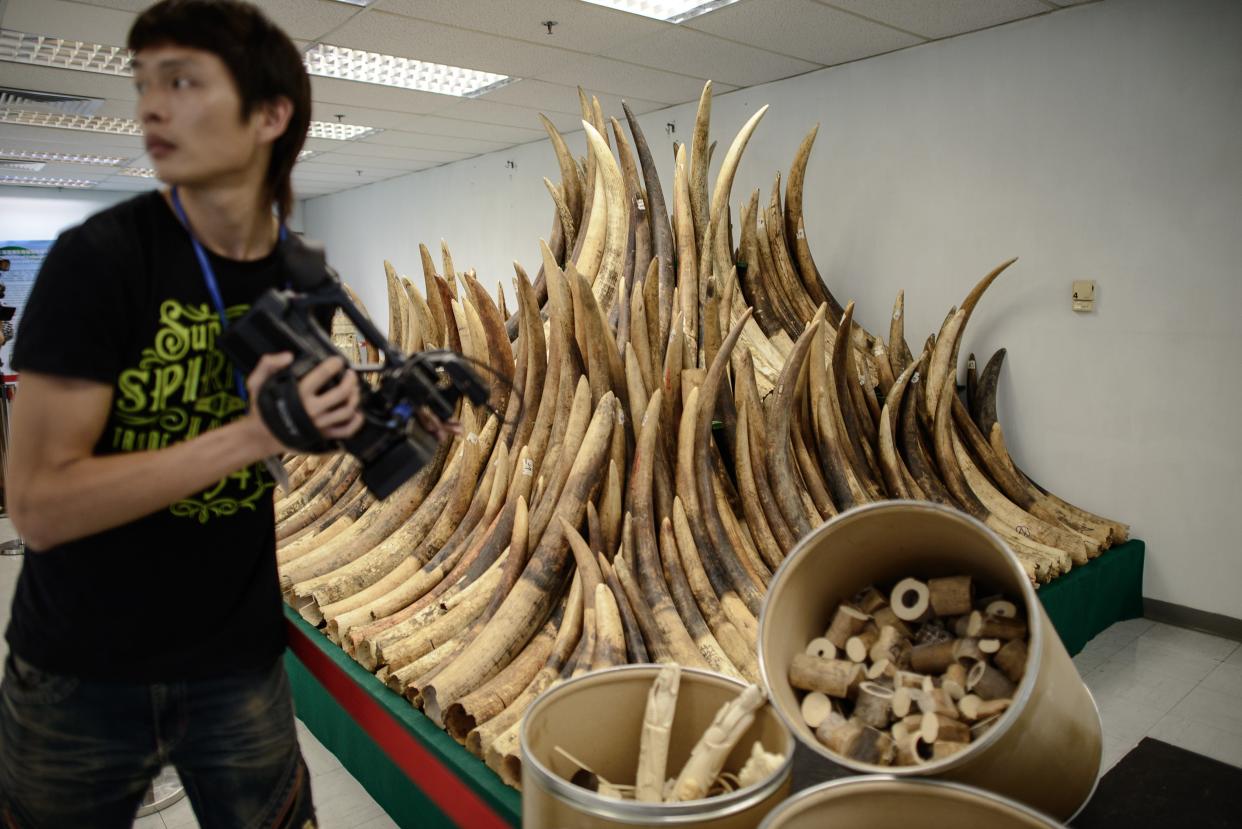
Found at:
<point>183,386</point>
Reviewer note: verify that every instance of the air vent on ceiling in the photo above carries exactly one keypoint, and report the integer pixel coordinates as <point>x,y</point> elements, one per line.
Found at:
<point>7,163</point>
<point>32,101</point>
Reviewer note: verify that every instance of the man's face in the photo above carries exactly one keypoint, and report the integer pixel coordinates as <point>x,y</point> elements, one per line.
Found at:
<point>190,112</point>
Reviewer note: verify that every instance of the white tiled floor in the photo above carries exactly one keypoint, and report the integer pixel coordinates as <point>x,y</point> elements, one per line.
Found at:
<point>1149,679</point>
<point>340,800</point>
<point>1172,684</point>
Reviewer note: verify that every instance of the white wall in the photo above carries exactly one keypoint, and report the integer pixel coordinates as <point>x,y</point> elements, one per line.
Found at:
<point>32,213</point>
<point>1099,142</point>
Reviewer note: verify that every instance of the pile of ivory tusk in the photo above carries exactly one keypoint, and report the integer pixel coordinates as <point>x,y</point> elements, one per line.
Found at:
<point>692,402</point>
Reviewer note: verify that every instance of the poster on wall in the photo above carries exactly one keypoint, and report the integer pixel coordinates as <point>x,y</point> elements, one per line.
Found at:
<point>19,265</point>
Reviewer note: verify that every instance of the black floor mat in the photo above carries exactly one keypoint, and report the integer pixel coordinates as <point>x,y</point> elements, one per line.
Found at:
<point>1164,786</point>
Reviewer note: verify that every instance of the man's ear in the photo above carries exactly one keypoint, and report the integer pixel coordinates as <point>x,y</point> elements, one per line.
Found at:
<point>272,117</point>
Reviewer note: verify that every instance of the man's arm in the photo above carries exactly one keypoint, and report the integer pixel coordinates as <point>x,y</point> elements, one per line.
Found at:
<point>59,491</point>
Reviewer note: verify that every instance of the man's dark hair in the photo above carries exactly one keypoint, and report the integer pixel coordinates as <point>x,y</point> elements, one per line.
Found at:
<point>263,61</point>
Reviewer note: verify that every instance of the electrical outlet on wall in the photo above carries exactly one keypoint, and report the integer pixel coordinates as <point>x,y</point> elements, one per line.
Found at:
<point>1084,295</point>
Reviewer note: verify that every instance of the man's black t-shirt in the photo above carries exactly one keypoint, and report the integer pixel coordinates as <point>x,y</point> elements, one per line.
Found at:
<point>190,590</point>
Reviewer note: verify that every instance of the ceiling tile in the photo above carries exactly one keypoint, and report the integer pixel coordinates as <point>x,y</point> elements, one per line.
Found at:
<point>39,136</point>
<point>71,21</point>
<point>581,27</point>
<point>354,160</point>
<point>381,118</point>
<point>547,98</point>
<point>125,5</point>
<point>394,34</point>
<point>943,18</point>
<point>494,112</point>
<point>690,52</point>
<point>623,78</point>
<point>499,133</point>
<point>380,151</point>
<point>803,28</point>
<point>356,93</point>
<point>427,141</point>
<point>67,82</point>
<point>308,19</point>
<point>538,95</point>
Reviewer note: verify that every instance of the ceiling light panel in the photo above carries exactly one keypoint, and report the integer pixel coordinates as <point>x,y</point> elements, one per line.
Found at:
<point>138,172</point>
<point>89,123</point>
<point>339,132</point>
<point>360,3</point>
<point>670,11</point>
<point>42,181</point>
<point>62,158</point>
<point>330,61</point>
<point>127,126</point>
<point>41,50</point>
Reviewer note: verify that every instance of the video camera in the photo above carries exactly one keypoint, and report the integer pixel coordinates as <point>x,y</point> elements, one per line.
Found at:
<point>391,445</point>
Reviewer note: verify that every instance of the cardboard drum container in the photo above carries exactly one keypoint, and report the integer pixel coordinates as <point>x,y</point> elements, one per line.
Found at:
<point>887,802</point>
<point>597,718</point>
<point>1044,751</point>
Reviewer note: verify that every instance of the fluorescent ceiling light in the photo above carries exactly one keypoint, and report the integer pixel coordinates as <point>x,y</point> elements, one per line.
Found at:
<point>89,123</point>
<point>41,181</point>
<point>330,61</point>
<point>63,158</point>
<point>362,3</point>
<point>340,132</point>
<point>322,59</point>
<point>21,47</point>
<point>671,11</point>
<point>138,172</point>
<point>305,154</point>
<point>127,126</point>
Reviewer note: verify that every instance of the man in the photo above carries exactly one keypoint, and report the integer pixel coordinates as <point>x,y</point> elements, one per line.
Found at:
<point>146,626</point>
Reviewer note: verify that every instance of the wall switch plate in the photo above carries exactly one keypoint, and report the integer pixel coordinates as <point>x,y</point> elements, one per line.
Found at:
<point>1084,295</point>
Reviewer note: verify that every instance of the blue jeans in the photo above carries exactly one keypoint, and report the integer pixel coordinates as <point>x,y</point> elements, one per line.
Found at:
<point>77,754</point>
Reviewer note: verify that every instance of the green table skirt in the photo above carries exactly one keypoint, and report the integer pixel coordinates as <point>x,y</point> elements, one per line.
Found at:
<point>419,774</point>
<point>1087,599</point>
<point>423,778</point>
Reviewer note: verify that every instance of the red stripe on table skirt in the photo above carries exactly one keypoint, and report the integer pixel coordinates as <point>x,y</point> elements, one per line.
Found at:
<point>454,798</point>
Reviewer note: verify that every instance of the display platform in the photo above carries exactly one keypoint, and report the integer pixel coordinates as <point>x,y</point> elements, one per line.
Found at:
<point>419,774</point>
<point>1087,599</point>
<point>424,778</point>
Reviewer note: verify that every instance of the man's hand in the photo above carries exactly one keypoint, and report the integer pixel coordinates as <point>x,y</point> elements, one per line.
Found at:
<point>334,411</point>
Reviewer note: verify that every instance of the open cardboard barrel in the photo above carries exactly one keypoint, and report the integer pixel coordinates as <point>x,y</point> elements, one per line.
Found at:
<point>887,802</point>
<point>598,717</point>
<point>1044,751</point>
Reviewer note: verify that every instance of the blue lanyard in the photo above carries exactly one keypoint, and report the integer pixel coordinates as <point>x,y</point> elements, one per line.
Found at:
<point>209,279</point>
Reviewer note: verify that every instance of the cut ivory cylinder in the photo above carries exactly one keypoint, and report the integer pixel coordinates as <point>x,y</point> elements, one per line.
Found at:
<point>874,705</point>
<point>886,616</point>
<point>910,600</point>
<point>951,596</point>
<point>822,648</point>
<point>815,708</point>
<point>845,623</point>
<point>833,677</point>
<point>987,683</point>
<point>995,627</point>
<point>889,645</point>
<point>935,727</point>
<point>933,658</point>
<point>954,681</point>
<point>858,647</point>
<point>1012,659</point>
<point>870,600</point>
